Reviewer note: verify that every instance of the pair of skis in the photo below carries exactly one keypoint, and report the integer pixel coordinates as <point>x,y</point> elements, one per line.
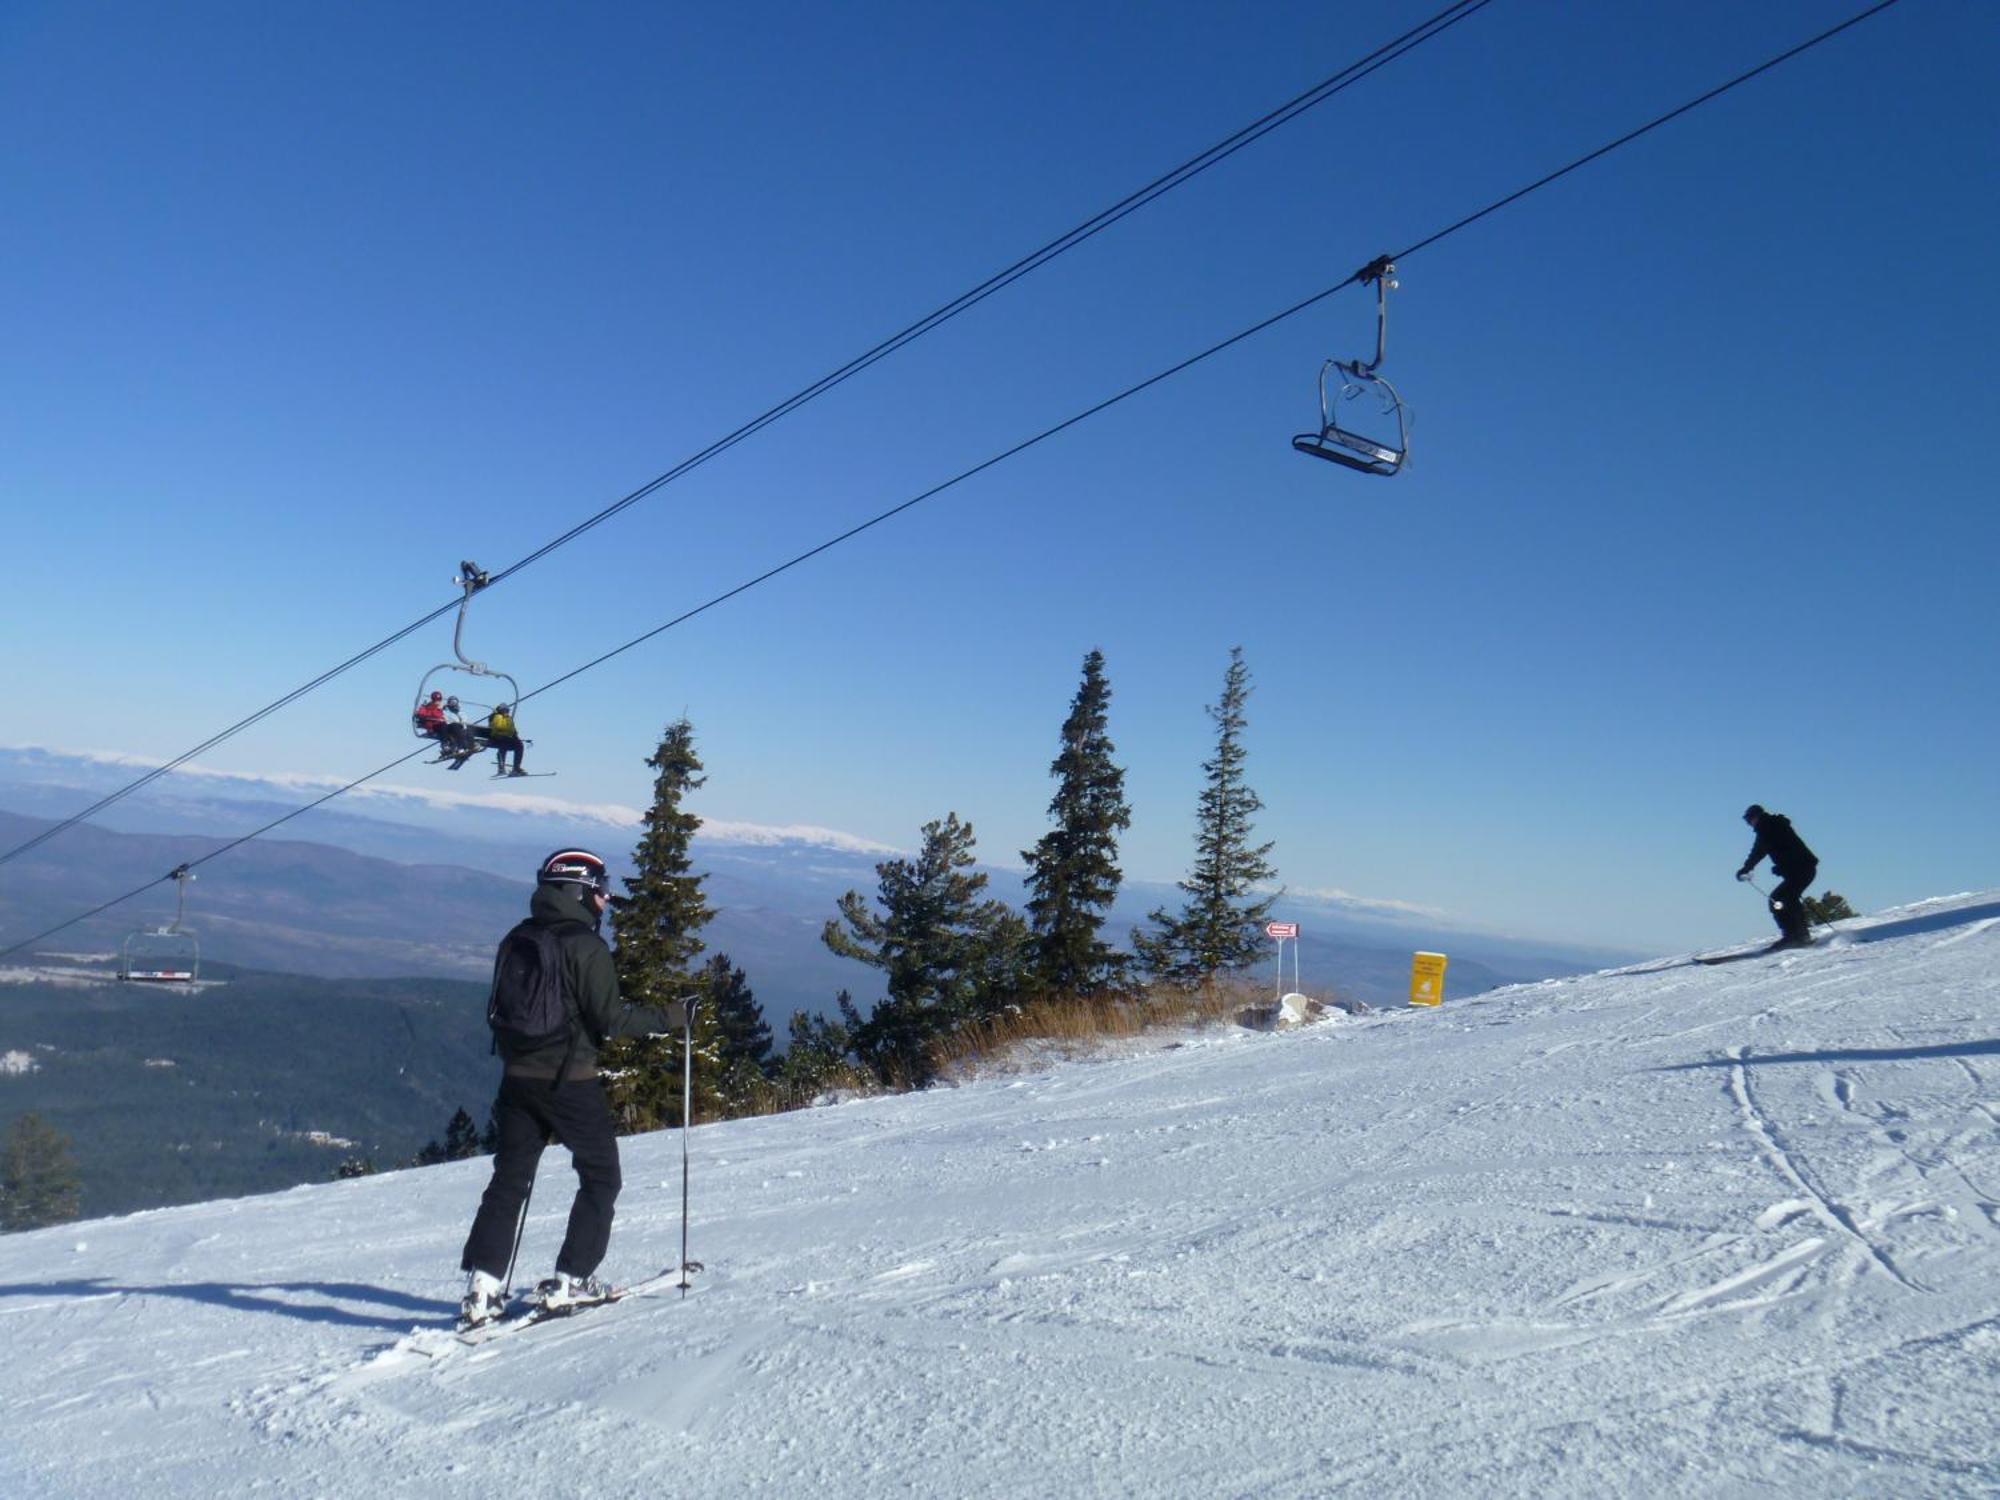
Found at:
<point>533,1314</point>
<point>1784,945</point>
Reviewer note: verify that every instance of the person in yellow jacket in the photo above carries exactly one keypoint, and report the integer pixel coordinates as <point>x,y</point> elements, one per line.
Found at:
<point>502,736</point>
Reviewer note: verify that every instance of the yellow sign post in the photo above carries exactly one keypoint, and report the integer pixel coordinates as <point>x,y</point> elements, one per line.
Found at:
<point>1427,979</point>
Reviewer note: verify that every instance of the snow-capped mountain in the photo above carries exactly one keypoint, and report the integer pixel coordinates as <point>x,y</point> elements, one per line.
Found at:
<point>420,880</point>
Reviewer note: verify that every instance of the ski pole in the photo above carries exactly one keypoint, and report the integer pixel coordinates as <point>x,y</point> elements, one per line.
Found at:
<point>520,1228</point>
<point>1751,881</point>
<point>1805,904</point>
<point>687,1119</point>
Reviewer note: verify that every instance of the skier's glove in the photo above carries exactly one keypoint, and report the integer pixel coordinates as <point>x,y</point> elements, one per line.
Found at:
<point>1742,874</point>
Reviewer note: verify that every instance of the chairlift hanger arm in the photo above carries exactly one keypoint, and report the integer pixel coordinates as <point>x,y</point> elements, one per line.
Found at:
<point>1382,271</point>
<point>471,578</point>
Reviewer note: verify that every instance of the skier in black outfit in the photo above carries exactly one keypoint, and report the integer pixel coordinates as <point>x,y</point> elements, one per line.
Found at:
<point>1793,863</point>
<point>552,1093</point>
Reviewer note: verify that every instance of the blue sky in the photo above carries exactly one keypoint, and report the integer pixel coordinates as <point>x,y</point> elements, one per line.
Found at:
<point>303,305</point>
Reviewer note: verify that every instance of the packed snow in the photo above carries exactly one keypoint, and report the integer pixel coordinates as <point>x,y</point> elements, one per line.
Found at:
<point>1667,1229</point>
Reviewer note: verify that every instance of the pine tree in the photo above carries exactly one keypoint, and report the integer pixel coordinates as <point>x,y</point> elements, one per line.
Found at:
<point>948,956</point>
<point>818,1049</point>
<point>746,1036</point>
<point>38,1181</point>
<point>658,920</point>
<point>1073,874</point>
<point>461,1137</point>
<point>743,1035</point>
<point>657,923</point>
<point>1218,929</point>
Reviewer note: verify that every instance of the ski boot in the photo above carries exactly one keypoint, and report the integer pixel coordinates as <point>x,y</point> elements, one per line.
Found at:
<point>564,1293</point>
<point>485,1300</point>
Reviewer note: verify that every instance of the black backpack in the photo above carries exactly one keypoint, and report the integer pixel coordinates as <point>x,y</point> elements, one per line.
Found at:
<point>529,1007</point>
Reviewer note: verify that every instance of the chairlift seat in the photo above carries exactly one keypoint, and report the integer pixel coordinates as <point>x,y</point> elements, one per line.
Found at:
<point>164,956</point>
<point>1356,452</point>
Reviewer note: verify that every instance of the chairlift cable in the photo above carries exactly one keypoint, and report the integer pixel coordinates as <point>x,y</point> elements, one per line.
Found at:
<point>938,489</point>
<point>1166,182</point>
<point>1651,125</point>
<point>1353,73</point>
<point>215,853</point>
<point>84,916</point>
<point>998,458</point>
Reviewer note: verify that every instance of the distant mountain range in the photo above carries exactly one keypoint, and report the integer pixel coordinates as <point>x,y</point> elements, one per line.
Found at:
<point>174,1096</point>
<point>412,881</point>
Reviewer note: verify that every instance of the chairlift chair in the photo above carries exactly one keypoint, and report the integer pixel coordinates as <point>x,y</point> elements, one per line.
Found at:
<point>168,954</point>
<point>1343,445</point>
<point>471,578</point>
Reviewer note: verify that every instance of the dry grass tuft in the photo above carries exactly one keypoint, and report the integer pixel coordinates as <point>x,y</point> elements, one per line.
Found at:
<point>1067,1026</point>
<point>777,1096</point>
<point>1028,1036</point>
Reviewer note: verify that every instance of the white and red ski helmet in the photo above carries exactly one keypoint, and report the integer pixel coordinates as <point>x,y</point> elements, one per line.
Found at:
<point>575,867</point>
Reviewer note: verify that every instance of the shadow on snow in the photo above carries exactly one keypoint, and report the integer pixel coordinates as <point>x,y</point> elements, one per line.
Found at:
<point>247,1299</point>
<point>1935,922</point>
<point>1986,1048</point>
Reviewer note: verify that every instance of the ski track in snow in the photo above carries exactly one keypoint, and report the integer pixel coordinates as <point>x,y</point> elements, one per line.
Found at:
<point>1668,1229</point>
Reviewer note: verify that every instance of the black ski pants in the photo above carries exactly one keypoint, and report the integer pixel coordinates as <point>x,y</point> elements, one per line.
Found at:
<point>501,744</point>
<point>529,1114</point>
<point>1788,906</point>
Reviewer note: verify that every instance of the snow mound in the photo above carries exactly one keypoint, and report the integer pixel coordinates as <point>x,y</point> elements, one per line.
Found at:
<point>1665,1229</point>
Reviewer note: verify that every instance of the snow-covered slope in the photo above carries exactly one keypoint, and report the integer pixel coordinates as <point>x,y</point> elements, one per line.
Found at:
<point>1670,1229</point>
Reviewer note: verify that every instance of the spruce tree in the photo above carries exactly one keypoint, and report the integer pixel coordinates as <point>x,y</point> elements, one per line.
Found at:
<point>657,923</point>
<point>658,920</point>
<point>947,956</point>
<point>818,1049</point>
<point>1073,874</point>
<point>461,1137</point>
<point>1218,930</point>
<point>743,1036</point>
<point>38,1182</point>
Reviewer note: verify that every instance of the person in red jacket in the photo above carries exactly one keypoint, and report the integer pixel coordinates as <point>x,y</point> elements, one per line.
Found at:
<point>430,716</point>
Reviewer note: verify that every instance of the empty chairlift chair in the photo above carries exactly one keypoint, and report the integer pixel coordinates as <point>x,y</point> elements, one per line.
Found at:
<point>168,954</point>
<point>1381,455</point>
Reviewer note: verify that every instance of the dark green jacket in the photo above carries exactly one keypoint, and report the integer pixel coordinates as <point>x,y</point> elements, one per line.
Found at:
<point>597,1014</point>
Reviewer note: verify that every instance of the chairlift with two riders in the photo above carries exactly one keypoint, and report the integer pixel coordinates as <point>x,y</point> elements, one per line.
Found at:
<point>168,954</point>
<point>1343,445</point>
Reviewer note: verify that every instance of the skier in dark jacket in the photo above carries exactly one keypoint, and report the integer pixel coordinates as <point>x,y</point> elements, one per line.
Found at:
<point>552,1093</point>
<point>1793,863</point>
